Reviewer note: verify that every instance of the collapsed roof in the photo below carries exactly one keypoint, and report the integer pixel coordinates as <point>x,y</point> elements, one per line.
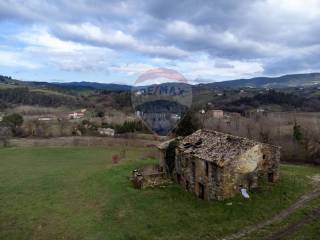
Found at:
<point>215,146</point>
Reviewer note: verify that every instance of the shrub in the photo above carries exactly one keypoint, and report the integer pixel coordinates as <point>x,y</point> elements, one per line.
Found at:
<point>14,120</point>
<point>297,133</point>
<point>115,159</point>
<point>127,127</point>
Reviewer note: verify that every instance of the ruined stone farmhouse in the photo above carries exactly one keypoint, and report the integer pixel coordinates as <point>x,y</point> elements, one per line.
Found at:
<point>215,165</point>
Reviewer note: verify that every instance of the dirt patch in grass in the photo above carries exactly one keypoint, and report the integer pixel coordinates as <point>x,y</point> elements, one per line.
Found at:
<point>315,180</point>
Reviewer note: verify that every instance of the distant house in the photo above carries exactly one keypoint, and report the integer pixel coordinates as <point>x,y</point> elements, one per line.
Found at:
<point>260,110</point>
<point>215,165</point>
<point>106,132</point>
<point>256,113</point>
<point>76,115</point>
<point>46,118</point>
<point>232,115</point>
<point>216,113</point>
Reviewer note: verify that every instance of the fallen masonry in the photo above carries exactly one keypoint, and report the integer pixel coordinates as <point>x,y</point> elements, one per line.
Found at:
<point>149,176</point>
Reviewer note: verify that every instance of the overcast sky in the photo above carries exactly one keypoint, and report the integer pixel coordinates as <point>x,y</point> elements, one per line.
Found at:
<point>115,41</point>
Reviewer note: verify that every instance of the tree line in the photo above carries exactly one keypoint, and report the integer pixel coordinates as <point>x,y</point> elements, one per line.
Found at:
<point>22,95</point>
<point>286,102</point>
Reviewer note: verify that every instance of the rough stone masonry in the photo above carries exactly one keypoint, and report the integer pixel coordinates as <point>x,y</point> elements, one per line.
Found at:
<point>215,165</point>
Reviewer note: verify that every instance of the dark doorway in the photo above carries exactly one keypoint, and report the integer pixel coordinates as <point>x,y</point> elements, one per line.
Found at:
<point>187,186</point>
<point>207,169</point>
<point>178,178</point>
<point>170,156</point>
<point>201,190</point>
<point>193,169</point>
<point>270,177</point>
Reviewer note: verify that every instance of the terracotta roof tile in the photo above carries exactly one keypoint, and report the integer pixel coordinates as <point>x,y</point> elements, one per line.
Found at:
<point>215,146</point>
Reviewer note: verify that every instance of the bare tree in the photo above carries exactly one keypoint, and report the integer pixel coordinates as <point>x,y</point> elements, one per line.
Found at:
<point>5,134</point>
<point>62,123</point>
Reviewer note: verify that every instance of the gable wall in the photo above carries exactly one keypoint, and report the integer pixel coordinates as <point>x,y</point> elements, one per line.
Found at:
<point>260,163</point>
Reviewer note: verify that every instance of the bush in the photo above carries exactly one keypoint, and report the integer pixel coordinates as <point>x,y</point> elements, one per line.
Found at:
<point>127,127</point>
<point>297,133</point>
<point>14,120</point>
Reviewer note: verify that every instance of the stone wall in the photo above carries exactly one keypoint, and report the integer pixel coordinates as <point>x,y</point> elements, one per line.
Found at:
<point>261,163</point>
<point>149,176</point>
<point>209,181</point>
<point>194,173</point>
<point>183,173</point>
<point>271,162</point>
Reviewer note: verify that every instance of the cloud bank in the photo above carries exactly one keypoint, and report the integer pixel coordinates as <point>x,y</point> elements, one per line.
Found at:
<point>210,39</point>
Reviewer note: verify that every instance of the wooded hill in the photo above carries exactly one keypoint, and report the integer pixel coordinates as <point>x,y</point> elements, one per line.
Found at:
<point>229,95</point>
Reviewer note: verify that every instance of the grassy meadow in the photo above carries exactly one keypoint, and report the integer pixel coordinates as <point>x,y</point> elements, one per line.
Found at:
<point>79,193</point>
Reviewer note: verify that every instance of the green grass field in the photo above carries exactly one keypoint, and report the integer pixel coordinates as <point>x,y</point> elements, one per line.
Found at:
<point>78,193</point>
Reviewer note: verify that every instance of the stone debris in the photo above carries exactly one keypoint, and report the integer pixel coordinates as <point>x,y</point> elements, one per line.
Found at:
<point>149,176</point>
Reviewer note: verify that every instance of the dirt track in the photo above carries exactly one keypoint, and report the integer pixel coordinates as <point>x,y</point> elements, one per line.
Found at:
<point>292,228</point>
<point>280,217</point>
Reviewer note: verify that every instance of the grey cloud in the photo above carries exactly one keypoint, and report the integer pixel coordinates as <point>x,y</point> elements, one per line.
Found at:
<point>296,64</point>
<point>237,30</point>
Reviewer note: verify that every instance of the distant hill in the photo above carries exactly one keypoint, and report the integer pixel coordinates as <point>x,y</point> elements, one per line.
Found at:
<point>6,80</point>
<point>50,94</point>
<point>93,86</point>
<point>293,80</point>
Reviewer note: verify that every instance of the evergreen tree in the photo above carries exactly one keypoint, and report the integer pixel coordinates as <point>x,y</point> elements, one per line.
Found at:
<point>187,126</point>
<point>15,120</point>
<point>297,133</point>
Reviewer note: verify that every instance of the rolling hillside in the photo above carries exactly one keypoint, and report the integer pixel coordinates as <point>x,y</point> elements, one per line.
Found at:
<point>294,80</point>
<point>6,81</point>
<point>285,81</point>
